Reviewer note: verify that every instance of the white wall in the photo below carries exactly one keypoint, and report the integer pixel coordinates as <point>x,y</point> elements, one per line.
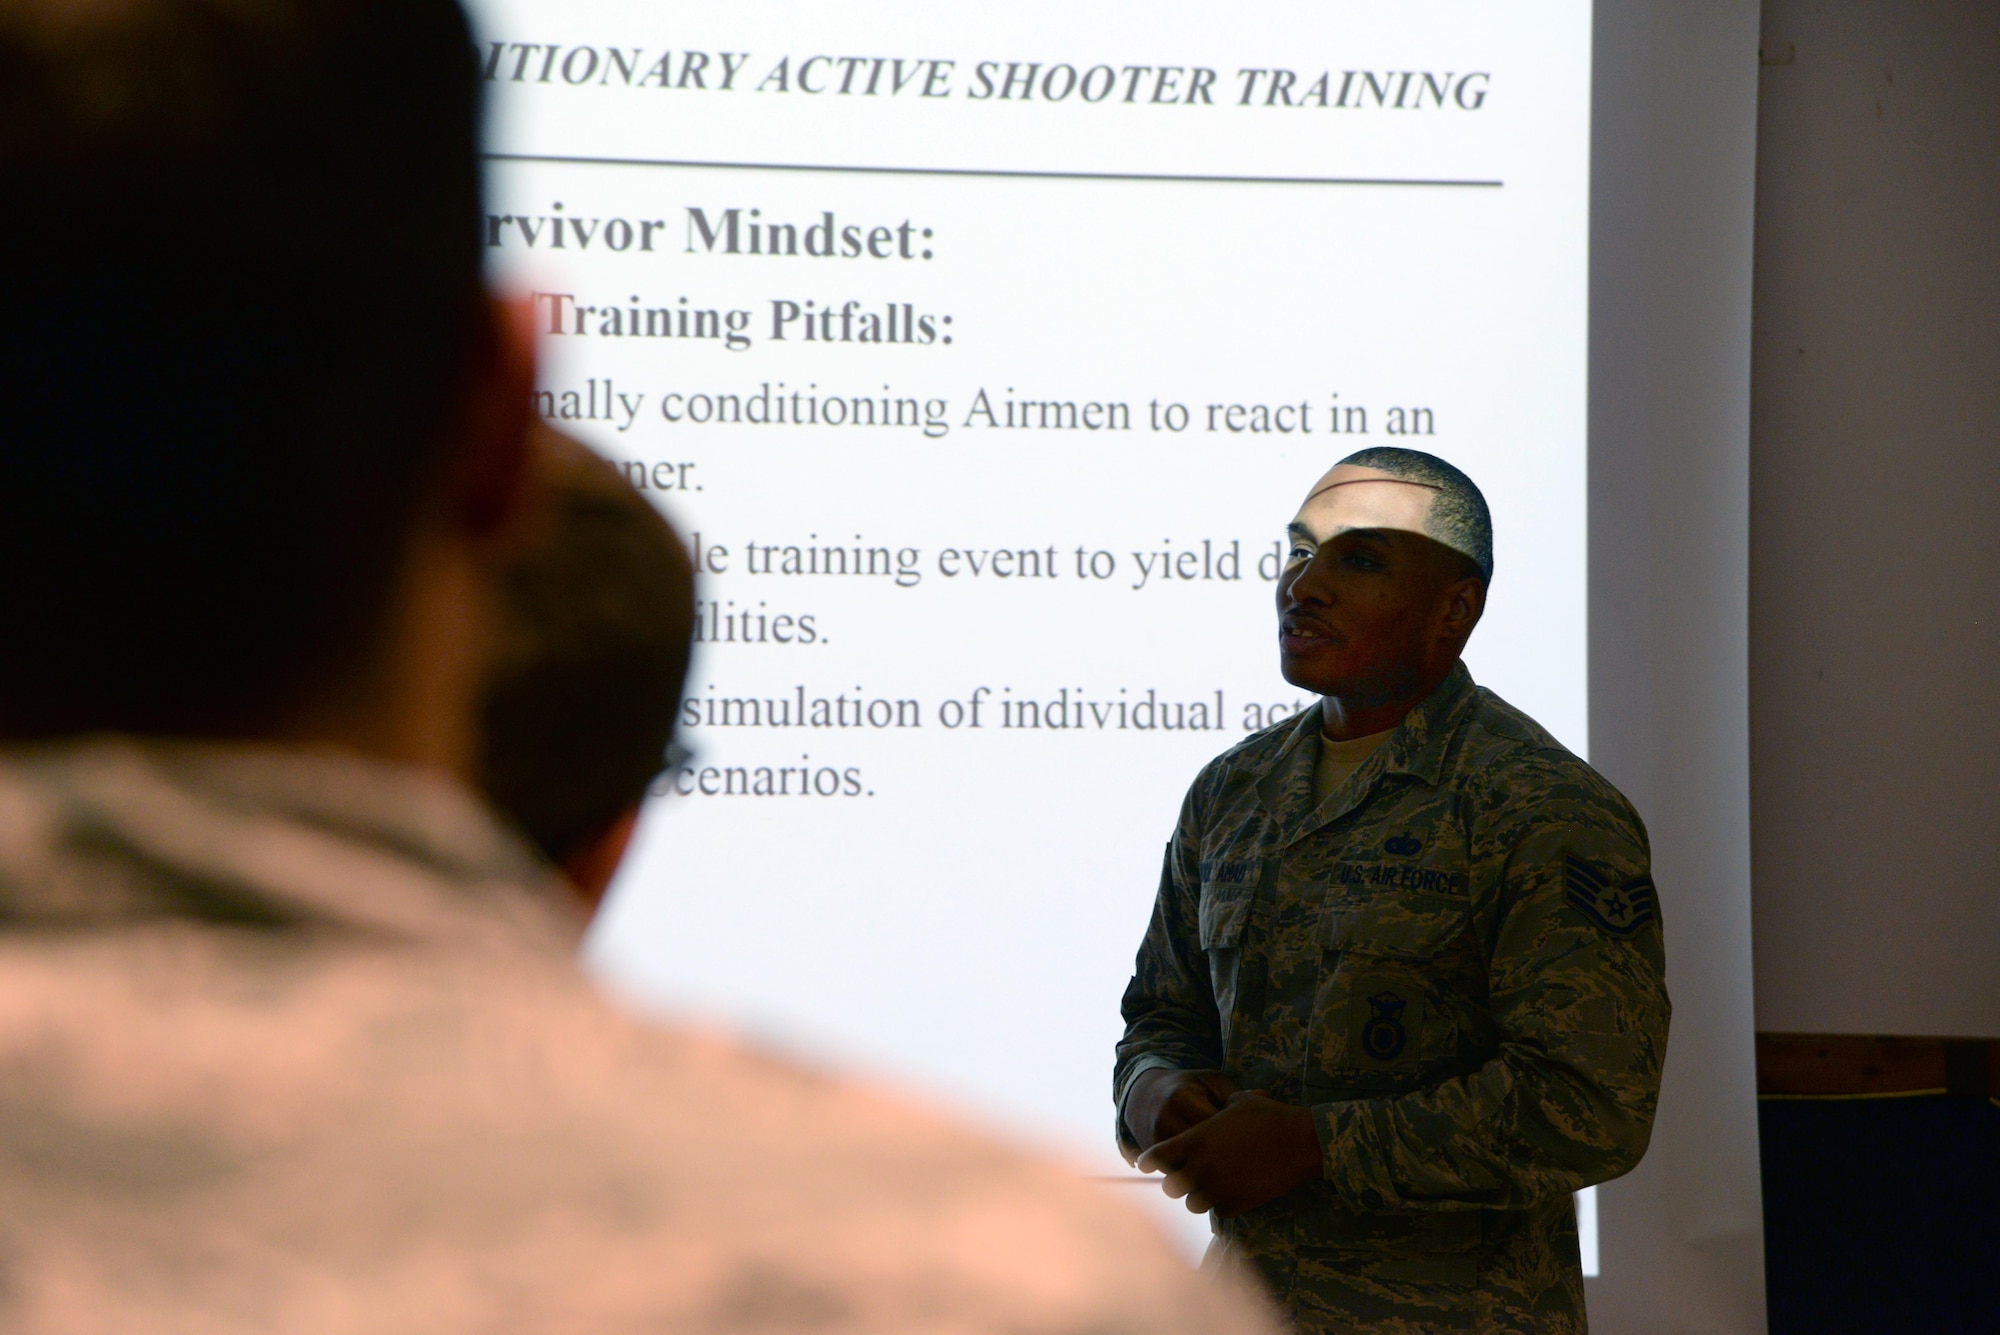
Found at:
<point>1672,160</point>
<point>1875,539</point>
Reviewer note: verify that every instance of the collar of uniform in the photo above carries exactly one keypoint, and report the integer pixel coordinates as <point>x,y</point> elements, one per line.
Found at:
<point>1417,747</point>
<point>1419,743</point>
<point>1284,778</point>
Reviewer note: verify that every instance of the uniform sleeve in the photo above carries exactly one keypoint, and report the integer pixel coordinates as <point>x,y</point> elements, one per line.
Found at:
<point>1169,1006</point>
<point>1577,990</point>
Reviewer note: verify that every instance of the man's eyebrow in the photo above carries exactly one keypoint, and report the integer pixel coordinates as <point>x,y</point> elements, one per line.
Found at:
<point>1373,533</point>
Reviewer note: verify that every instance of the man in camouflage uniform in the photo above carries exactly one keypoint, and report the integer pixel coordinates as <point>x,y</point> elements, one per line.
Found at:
<point>1402,993</point>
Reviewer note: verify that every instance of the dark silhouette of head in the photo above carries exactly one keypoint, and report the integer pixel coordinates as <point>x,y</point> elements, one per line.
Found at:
<point>592,648</point>
<point>240,298</point>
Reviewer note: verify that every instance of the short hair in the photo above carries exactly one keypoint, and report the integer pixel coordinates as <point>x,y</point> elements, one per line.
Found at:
<point>240,286</point>
<point>1458,516</point>
<point>590,658</point>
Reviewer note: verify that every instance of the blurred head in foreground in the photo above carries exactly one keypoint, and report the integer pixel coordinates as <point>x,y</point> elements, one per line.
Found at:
<point>590,655</point>
<point>264,425</point>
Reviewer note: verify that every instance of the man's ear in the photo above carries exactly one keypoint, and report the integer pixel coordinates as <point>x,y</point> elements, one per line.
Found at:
<point>1465,603</point>
<point>489,483</point>
<point>592,863</point>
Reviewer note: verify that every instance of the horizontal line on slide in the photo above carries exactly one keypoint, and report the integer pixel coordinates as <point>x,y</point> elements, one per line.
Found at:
<point>1003,173</point>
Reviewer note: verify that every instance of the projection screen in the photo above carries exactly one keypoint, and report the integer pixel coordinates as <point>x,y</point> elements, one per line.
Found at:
<point>982,353</point>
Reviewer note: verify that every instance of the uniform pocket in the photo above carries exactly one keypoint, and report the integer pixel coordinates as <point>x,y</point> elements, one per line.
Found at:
<point>1224,924</point>
<point>1387,948</point>
<point>1224,914</point>
<point>1409,928</point>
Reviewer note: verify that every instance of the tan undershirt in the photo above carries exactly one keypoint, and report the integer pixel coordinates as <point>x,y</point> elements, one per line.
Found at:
<point>1338,760</point>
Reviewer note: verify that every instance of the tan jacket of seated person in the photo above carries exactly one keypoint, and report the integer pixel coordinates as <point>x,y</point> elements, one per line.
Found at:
<point>292,1036</point>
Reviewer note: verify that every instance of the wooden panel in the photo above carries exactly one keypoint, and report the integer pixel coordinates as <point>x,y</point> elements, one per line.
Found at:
<point>1859,1065</point>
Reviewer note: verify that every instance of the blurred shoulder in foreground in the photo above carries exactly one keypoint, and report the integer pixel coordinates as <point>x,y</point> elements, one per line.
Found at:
<point>295,1041</point>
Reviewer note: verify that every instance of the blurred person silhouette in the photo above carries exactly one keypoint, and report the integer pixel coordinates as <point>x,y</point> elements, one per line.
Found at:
<point>291,1032</point>
<point>588,660</point>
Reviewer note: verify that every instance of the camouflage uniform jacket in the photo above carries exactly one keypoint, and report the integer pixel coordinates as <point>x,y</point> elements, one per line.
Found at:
<point>1455,961</point>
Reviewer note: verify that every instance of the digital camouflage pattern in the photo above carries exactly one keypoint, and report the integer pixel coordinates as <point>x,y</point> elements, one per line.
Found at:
<point>1455,961</point>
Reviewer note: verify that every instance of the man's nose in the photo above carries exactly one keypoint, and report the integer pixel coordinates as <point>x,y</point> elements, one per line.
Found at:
<point>1314,583</point>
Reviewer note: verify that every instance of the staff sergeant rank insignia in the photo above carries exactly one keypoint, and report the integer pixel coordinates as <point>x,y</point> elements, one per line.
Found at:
<point>1620,909</point>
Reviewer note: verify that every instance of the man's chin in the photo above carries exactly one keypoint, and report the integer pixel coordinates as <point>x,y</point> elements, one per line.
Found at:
<point>1364,687</point>
<point>1301,671</point>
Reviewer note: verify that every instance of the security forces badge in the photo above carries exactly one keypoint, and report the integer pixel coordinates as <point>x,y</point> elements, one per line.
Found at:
<point>1619,907</point>
<point>1386,1025</point>
<point>1383,1036</point>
